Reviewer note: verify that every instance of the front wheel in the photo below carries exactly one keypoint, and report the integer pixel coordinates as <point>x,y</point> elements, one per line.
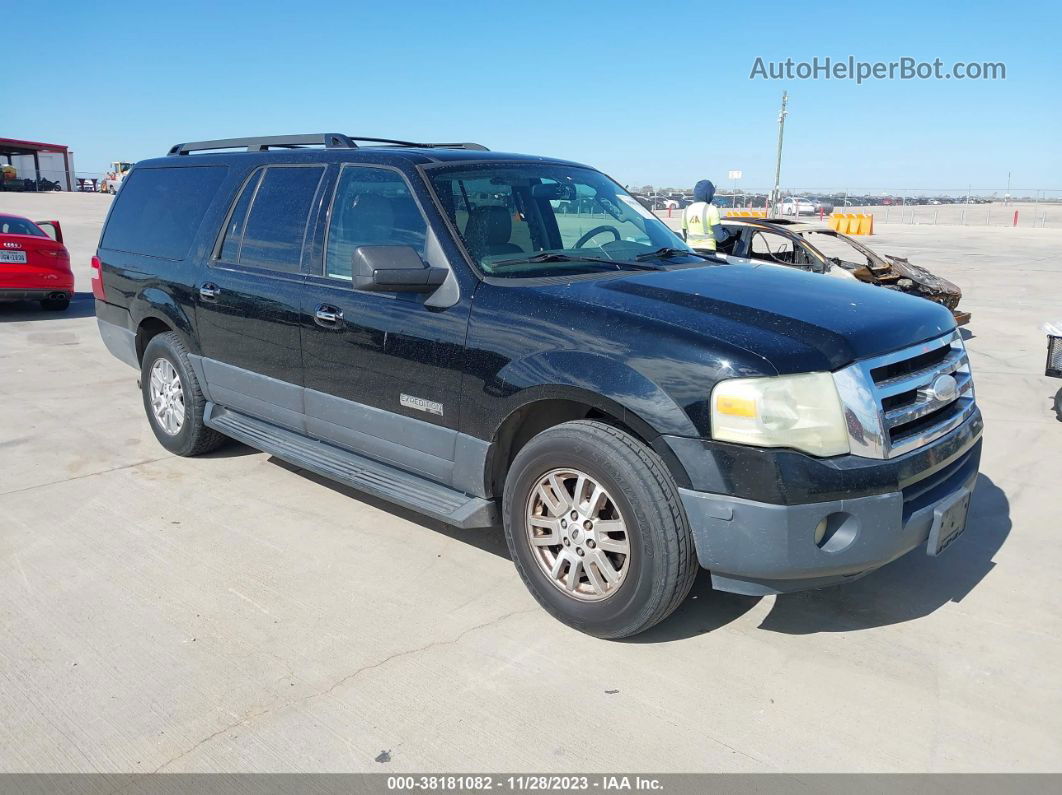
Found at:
<point>596,529</point>
<point>1058,405</point>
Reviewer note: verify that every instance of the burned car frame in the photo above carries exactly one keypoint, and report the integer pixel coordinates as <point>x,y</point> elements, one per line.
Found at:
<point>819,249</point>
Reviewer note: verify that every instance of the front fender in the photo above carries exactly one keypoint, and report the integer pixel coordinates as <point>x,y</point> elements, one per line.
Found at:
<point>594,379</point>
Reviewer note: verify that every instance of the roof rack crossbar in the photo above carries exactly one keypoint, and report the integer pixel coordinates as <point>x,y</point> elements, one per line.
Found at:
<point>328,140</point>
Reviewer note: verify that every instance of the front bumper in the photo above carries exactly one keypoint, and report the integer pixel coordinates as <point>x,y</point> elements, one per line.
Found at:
<point>756,547</point>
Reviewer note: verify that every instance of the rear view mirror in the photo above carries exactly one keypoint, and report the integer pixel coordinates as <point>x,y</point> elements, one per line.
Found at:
<point>394,269</point>
<point>554,192</point>
<point>52,229</point>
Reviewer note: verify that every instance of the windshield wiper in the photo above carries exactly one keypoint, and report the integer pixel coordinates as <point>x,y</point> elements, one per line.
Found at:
<point>553,256</point>
<point>667,251</point>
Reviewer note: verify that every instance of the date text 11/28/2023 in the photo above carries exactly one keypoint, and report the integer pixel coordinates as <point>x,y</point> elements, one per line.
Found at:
<point>538,783</point>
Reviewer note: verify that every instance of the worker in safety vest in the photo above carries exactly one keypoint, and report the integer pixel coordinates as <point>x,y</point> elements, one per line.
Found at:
<point>700,220</point>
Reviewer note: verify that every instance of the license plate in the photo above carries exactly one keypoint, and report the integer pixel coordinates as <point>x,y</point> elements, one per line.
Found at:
<point>12,256</point>
<point>949,521</point>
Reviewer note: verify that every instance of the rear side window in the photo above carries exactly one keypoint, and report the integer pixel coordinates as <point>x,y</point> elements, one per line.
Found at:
<point>158,210</point>
<point>272,236</point>
<point>230,246</point>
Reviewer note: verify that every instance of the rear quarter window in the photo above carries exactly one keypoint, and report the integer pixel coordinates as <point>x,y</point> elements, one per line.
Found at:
<point>158,210</point>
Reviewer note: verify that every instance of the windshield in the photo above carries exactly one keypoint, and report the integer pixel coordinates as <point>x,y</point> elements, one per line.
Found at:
<point>507,214</point>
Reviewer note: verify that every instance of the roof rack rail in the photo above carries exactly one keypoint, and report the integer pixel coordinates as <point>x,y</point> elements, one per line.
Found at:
<point>467,145</point>
<point>328,140</point>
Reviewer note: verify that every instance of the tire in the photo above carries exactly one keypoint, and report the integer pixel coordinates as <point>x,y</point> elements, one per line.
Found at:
<point>1058,405</point>
<point>184,432</point>
<point>55,304</point>
<point>659,570</point>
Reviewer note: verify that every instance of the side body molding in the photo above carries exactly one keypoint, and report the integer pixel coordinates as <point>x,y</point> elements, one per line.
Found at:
<point>433,452</point>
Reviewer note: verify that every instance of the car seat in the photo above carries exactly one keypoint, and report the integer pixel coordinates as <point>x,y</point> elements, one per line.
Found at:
<point>488,231</point>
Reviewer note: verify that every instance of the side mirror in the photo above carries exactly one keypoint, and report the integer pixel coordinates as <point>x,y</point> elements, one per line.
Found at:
<point>394,269</point>
<point>52,229</point>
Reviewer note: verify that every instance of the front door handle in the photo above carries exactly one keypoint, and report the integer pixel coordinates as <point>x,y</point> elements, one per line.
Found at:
<point>327,316</point>
<point>209,291</point>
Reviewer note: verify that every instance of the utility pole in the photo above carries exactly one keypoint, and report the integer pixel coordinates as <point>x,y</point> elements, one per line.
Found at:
<point>1006,200</point>
<point>775,195</point>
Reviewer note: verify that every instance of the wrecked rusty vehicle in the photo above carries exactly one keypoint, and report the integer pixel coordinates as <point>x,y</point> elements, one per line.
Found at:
<point>816,248</point>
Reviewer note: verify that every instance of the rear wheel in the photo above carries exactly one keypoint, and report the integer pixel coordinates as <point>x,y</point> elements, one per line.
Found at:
<point>1058,405</point>
<point>55,304</point>
<point>596,529</point>
<point>173,399</point>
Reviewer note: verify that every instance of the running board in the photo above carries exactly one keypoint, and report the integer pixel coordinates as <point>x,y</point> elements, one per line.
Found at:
<point>387,482</point>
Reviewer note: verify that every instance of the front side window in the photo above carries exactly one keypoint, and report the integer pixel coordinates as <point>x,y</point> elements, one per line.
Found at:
<point>772,247</point>
<point>372,207</point>
<point>272,235</point>
<point>512,217</point>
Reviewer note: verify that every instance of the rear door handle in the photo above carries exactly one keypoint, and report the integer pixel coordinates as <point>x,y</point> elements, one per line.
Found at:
<point>209,291</point>
<point>327,316</point>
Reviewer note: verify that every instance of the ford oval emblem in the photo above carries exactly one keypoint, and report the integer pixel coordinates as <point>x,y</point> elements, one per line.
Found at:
<point>944,389</point>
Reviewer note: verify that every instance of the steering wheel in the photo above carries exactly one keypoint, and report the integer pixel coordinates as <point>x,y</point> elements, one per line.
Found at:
<point>597,230</point>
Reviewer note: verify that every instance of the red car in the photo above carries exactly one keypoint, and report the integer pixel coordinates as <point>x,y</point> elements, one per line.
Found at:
<point>33,265</point>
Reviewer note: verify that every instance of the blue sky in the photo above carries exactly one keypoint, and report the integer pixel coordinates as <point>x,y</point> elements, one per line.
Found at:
<point>650,92</point>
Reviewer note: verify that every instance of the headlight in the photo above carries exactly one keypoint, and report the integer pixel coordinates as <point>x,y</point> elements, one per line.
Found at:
<point>799,411</point>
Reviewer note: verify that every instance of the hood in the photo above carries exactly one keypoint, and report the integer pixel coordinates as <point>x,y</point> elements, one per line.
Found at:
<point>798,322</point>
<point>703,191</point>
<point>917,280</point>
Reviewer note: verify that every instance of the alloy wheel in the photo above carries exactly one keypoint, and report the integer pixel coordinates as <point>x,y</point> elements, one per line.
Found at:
<point>166,396</point>
<point>577,535</point>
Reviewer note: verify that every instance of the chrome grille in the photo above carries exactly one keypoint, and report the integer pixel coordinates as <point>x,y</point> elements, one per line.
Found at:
<point>904,400</point>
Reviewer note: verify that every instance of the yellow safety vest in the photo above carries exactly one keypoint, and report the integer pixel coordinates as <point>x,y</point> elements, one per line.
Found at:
<point>698,220</point>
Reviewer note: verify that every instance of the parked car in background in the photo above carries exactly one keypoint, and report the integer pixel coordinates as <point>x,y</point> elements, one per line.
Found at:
<point>795,205</point>
<point>642,199</point>
<point>819,249</point>
<point>34,266</point>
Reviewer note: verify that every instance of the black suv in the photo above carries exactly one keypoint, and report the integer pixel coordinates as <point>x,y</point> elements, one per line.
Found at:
<point>488,337</point>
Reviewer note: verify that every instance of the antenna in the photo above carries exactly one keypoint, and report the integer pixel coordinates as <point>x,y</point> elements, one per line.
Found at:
<point>776,194</point>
